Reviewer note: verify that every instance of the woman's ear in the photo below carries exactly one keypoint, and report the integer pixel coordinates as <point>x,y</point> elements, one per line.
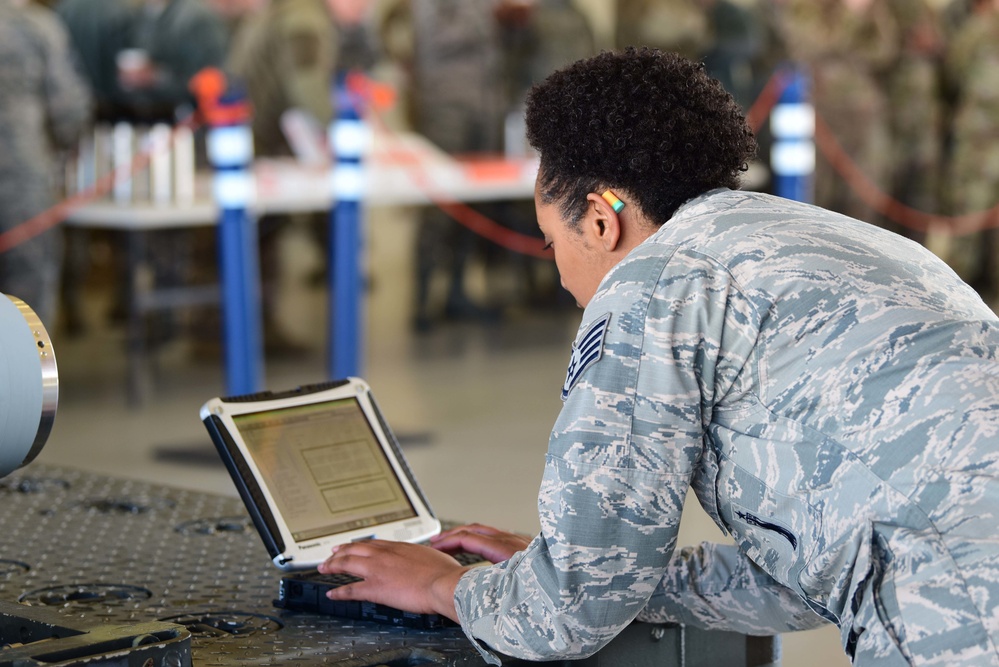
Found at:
<point>602,224</point>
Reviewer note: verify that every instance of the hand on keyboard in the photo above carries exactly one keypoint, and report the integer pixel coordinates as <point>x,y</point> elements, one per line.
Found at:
<point>410,577</point>
<point>491,543</point>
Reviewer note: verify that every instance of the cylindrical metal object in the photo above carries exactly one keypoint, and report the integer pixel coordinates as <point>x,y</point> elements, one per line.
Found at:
<point>29,384</point>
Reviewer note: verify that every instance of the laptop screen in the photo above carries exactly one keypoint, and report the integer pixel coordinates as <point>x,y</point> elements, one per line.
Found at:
<point>323,466</point>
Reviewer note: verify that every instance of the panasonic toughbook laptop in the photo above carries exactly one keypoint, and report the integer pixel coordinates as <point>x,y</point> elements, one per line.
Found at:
<point>316,467</point>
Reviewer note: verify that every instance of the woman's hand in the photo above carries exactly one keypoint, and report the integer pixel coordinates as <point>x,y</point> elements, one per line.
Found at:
<point>410,577</point>
<point>492,544</point>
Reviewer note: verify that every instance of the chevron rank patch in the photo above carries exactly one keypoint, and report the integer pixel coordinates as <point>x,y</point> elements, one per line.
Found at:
<point>586,353</point>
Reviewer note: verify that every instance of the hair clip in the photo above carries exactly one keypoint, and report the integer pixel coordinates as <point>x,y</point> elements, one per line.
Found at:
<point>612,199</point>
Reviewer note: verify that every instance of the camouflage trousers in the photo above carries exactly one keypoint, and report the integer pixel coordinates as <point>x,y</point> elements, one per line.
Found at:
<point>30,270</point>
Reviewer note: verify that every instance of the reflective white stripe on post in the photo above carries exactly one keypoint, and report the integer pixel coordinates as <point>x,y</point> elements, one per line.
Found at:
<point>793,158</point>
<point>793,127</point>
<point>348,182</point>
<point>233,189</point>
<point>349,138</point>
<point>230,146</point>
<point>793,121</point>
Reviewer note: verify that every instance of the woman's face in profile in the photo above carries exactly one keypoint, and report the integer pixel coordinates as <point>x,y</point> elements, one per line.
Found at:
<point>573,256</point>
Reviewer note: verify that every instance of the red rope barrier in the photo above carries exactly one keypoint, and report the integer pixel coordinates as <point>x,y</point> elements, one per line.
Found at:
<point>464,214</point>
<point>888,206</point>
<point>766,100</point>
<point>51,217</point>
<point>493,231</point>
<point>529,245</point>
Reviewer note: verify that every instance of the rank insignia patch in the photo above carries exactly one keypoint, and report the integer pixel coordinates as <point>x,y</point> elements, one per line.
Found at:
<point>588,351</point>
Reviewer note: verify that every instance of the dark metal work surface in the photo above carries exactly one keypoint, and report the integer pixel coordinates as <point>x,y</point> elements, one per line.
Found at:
<point>36,637</point>
<point>181,577</point>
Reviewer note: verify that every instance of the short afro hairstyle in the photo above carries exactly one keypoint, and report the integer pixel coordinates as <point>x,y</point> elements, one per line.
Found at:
<point>649,123</point>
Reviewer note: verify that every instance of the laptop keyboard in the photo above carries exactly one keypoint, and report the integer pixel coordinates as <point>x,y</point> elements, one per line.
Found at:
<point>306,591</point>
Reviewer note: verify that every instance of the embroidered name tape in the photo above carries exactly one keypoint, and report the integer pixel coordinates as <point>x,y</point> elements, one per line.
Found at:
<point>586,353</point>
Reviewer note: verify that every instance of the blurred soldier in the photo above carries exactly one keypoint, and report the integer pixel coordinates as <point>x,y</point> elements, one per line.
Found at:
<point>774,52</point>
<point>735,41</point>
<point>451,52</point>
<point>772,57</point>
<point>670,25</point>
<point>169,42</point>
<point>166,43</point>
<point>97,31</point>
<point>727,36</point>
<point>847,44</point>
<point>42,99</point>
<point>915,104</point>
<point>954,14</point>
<point>287,57</point>
<point>234,13</point>
<point>972,73</point>
<point>538,37</point>
<point>458,105</point>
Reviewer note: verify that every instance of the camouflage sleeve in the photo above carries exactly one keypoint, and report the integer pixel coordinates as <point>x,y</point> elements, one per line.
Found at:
<point>644,369</point>
<point>716,587</point>
<point>875,37</point>
<point>960,54</point>
<point>67,97</point>
<point>589,572</point>
<point>803,26</point>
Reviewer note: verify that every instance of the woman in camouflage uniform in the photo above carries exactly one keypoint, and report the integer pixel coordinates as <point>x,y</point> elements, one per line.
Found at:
<point>829,391</point>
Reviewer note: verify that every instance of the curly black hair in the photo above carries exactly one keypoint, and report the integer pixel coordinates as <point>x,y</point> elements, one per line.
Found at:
<point>647,123</point>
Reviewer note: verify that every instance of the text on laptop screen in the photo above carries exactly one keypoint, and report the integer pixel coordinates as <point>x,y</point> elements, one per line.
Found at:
<point>324,468</point>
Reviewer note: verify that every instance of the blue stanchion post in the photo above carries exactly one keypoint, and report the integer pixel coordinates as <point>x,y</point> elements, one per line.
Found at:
<point>349,138</point>
<point>792,123</point>
<point>230,150</point>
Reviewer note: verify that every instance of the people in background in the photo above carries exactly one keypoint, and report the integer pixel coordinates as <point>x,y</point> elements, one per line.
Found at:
<point>287,58</point>
<point>736,41</point>
<point>234,13</point>
<point>450,50</point>
<point>915,109</point>
<point>44,106</point>
<point>846,45</point>
<point>537,37</point>
<point>972,77</point>
<point>671,25</point>
<point>98,31</point>
<point>168,42</point>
